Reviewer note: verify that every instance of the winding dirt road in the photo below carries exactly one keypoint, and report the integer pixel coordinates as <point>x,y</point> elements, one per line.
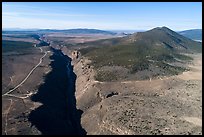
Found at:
<point>28,74</point>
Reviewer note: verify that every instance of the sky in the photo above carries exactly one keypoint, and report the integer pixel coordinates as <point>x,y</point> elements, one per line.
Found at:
<point>102,15</point>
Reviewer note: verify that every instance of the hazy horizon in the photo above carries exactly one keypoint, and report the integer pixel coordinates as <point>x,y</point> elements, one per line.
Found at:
<point>119,30</point>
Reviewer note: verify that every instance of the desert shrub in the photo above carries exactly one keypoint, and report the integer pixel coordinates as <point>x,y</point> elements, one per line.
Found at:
<point>133,56</point>
<point>16,46</point>
<point>105,76</point>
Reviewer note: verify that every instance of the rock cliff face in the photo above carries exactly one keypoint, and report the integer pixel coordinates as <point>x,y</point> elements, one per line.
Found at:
<point>134,107</point>
<point>75,54</point>
<point>84,73</point>
<point>83,70</point>
<point>162,105</point>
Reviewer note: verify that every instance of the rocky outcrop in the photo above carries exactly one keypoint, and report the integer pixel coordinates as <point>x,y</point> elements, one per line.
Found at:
<point>85,75</point>
<point>75,54</point>
<point>83,70</point>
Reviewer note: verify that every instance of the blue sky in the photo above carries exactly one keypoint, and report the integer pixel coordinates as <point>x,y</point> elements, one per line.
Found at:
<point>102,15</point>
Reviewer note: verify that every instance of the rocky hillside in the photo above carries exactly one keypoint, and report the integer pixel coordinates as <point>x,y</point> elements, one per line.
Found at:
<point>146,54</point>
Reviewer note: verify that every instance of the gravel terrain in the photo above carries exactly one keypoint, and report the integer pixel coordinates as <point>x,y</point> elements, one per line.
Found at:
<point>167,105</point>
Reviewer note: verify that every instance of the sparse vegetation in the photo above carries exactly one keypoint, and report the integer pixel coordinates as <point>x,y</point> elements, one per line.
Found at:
<point>183,57</point>
<point>169,69</point>
<point>106,76</point>
<point>16,46</point>
<point>138,52</point>
<point>133,57</point>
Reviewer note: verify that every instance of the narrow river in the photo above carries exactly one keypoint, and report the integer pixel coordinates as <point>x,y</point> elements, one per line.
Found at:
<point>58,114</point>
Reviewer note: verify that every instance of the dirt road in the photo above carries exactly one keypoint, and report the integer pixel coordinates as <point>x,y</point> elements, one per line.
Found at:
<point>166,105</point>
<point>40,61</point>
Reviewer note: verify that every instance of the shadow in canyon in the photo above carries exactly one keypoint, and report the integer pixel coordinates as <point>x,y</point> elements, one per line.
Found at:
<point>58,114</point>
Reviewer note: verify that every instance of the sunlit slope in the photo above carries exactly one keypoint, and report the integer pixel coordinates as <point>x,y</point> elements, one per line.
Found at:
<point>152,50</point>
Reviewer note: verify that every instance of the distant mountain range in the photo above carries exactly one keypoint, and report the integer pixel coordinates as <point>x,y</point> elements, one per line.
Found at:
<point>80,31</point>
<point>158,37</point>
<point>194,34</point>
<point>68,31</point>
